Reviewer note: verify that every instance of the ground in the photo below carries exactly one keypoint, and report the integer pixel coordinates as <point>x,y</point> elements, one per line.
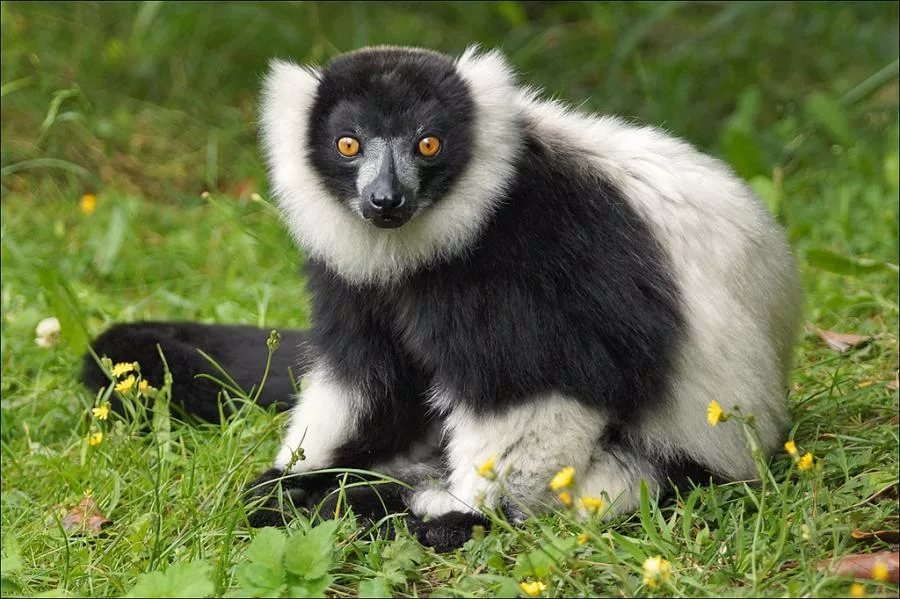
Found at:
<point>150,109</point>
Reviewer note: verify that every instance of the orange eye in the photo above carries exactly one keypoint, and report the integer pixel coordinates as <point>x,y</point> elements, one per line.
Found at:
<point>348,146</point>
<point>429,146</point>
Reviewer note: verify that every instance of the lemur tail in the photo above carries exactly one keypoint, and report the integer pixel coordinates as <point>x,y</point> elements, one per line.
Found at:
<point>240,351</point>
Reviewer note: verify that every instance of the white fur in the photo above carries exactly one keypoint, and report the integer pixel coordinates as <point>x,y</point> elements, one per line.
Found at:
<point>354,248</point>
<point>530,442</point>
<point>733,268</point>
<point>326,416</point>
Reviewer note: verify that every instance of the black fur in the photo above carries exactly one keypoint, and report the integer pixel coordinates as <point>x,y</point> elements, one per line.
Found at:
<point>566,291</point>
<point>240,350</point>
<point>448,531</point>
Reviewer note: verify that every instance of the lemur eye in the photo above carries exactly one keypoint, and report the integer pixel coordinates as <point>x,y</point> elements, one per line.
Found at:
<point>429,146</point>
<point>348,146</point>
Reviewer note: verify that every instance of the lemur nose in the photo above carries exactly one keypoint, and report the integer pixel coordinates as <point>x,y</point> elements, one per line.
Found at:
<point>383,203</point>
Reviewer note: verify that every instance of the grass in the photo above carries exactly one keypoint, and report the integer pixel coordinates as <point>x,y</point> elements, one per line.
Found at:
<point>148,105</point>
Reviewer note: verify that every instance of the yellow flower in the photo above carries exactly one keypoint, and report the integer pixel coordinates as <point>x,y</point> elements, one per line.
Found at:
<point>715,414</point>
<point>121,368</point>
<point>89,492</point>
<point>857,590</point>
<point>656,570</point>
<point>563,478</point>
<point>566,498</point>
<point>486,470</point>
<point>95,439</point>
<point>582,538</point>
<point>806,462</point>
<point>880,571</point>
<point>532,589</point>
<point>791,448</point>
<point>88,204</point>
<point>101,412</point>
<point>591,504</point>
<point>144,387</point>
<point>126,384</point>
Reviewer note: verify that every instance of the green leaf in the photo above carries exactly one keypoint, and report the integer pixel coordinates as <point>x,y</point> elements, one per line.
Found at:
<point>845,265</point>
<point>309,556</point>
<point>263,574</point>
<point>188,579</point>
<point>12,556</point>
<point>65,307</point>
<point>261,580</point>
<point>267,547</point>
<point>311,588</point>
<point>766,189</point>
<point>742,152</point>
<point>108,250</point>
<point>375,587</point>
<point>540,562</point>
<point>828,113</point>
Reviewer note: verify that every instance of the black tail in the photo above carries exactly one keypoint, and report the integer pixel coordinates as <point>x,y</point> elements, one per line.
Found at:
<point>241,351</point>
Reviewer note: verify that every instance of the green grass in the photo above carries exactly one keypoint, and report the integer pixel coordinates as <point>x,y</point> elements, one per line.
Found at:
<point>150,104</point>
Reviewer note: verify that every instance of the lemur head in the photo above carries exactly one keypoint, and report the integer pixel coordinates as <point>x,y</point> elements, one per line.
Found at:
<point>388,158</point>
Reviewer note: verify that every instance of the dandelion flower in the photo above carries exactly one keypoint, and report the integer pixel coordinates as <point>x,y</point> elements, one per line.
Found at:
<point>95,439</point>
<point>566,498</point>
<point>121,368</point>
<point>47,332</point>
<point>88,204</point>
<point>591,504</point>
<point>806,462</point>
<point>791,448</point>
<point>101,412</point>
<point>563,478</point>
<point>582,538</point>
<point>656,570</point>
<point>486,469</point>
<point>880,571</point>
<point>145,387</point>
<point>126,384</point>
<point>857,590</point>
<point>532,589</point>
<point>715,414</point>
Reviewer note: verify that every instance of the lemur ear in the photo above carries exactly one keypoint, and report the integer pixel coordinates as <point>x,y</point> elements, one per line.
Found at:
<point>287,96</point>
<point>488,72</point>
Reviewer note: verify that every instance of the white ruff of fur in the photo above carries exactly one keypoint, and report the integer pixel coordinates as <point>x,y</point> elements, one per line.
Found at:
<point>352,247</point>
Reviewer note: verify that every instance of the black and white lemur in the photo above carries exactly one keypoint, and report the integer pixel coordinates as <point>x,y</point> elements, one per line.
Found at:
<point>497,275</point>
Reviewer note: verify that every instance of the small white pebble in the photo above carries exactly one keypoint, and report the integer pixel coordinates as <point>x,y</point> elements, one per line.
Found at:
<point>47,332</point>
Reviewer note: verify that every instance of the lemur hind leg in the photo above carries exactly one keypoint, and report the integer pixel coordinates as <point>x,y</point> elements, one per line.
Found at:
<point>240,350</point>
<point>528,444</point>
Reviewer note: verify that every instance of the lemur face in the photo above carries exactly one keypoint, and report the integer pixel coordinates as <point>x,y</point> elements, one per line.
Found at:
<point>390,132</point>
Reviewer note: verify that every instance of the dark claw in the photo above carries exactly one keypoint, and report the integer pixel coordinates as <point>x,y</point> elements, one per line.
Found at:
<point>447,532</point>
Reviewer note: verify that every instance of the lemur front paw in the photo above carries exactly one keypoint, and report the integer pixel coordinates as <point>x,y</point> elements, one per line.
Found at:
<point>275,495</point>
<point>372,504</point>
<point>447,532</point>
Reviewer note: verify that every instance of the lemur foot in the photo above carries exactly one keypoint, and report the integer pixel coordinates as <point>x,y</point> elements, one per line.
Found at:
<point>447,532</point>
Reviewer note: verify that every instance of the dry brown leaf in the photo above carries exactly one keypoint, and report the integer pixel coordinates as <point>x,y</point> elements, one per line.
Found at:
<point>862,565</point>
<point>84,517</point>
<point>841,342</point>
<point>888,536</point>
